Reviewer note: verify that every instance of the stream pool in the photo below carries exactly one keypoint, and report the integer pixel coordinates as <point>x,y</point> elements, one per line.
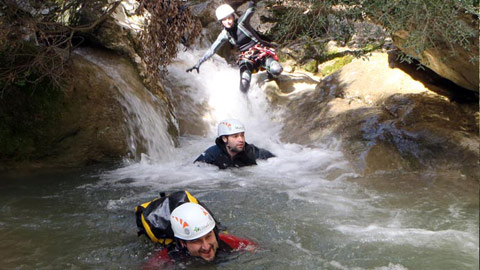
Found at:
<point>320,217</point>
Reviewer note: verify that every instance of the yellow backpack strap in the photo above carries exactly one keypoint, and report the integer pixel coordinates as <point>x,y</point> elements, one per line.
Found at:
<point>148,230</point>
<point>190,197</point>
<point>144,205</point>
<point>166,241</point>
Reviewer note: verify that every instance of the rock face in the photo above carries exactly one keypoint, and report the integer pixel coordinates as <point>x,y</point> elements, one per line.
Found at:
<point>91,128</point>
<point>385,120</point>
<point>90,120</point>
<point>98,113</point>
<point>120,33</point>
<point>458,64</point>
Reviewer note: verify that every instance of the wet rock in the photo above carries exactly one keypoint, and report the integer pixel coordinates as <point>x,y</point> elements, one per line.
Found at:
<point>120,32</point>
<point>205,11</point>
<point>386,120</point>
<point>91,127</point>
<point>285,87</point>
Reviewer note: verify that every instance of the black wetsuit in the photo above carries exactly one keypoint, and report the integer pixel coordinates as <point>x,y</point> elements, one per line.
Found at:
<point>218,155</point>
<point>243,36</point>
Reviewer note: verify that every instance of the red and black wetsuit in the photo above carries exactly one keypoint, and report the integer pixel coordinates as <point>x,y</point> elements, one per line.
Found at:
<point>165,258</point>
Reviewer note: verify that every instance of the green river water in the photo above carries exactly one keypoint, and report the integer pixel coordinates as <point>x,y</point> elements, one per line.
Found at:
<point>83,219</point>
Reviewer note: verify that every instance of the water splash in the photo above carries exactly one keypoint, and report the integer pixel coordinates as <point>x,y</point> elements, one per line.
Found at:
<point>149,140</point>
<point>211,96</point>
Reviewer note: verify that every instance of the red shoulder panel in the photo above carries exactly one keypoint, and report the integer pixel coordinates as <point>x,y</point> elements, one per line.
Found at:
<point>161,261</point>
<point>238,243</point>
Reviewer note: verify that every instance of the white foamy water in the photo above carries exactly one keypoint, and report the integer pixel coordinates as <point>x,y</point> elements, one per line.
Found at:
<point>304,206</point>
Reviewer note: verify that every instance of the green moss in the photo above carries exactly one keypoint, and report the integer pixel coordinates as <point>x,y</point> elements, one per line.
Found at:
<point>311,66</point>
<point>282,58</point>
<point>370,47</point>
<point>336,65</point>
<point>28,114</point>
<point>331,52</point>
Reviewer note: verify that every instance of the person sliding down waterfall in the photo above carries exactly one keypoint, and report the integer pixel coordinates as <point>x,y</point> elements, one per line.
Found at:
<point>254,52</point>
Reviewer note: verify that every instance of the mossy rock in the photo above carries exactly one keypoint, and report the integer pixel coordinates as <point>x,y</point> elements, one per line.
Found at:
<point>337,64</point>
<point>27,112</point>
<point>311,66</point>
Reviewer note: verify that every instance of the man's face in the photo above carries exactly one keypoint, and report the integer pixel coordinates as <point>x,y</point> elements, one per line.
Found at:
<point>204,247</point>
<point>235,142</point>
<point>228,21</point>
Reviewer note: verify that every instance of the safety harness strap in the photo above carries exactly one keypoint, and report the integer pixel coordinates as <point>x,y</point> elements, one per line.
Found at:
<point>257,53</point>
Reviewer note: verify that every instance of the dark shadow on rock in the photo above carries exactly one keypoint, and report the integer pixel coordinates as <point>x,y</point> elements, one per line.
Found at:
<point>432,80</point>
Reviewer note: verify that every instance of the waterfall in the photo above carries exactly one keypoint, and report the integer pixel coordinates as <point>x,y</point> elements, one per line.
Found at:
<point>215,95</point>
<point>201,101</point>
<point>145,116</point>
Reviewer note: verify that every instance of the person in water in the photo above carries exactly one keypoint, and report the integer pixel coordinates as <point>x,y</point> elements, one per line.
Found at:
<point>231,149</point>
<point>254,52</point>
<point>197,235</point>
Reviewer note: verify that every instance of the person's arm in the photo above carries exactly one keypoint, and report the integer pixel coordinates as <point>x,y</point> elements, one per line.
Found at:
<point>204,157</point>
<point>261,153</point>
<point>248,13</point>
<point>222,37</point>
<point>247,29</point>
<point>161,261</point>
<point>207,157</point>
<point>237,243</point>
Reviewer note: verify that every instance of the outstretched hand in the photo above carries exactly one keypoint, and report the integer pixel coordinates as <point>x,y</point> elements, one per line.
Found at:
<point>194,67</point>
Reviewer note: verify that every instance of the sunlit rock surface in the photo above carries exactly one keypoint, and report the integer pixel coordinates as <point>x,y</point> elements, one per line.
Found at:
<point>385,119</point>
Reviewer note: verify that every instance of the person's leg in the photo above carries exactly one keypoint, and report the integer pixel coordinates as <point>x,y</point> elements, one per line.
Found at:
<point>245,76</point>
<point>272,66</point>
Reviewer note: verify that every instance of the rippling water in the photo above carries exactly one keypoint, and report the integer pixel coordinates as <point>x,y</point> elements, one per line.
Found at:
<point>84,219</point>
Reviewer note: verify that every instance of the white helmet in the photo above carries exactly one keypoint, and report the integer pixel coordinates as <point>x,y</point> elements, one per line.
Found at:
<point>229,127</point>
<point>191,221</point>
<point>223,11</point>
